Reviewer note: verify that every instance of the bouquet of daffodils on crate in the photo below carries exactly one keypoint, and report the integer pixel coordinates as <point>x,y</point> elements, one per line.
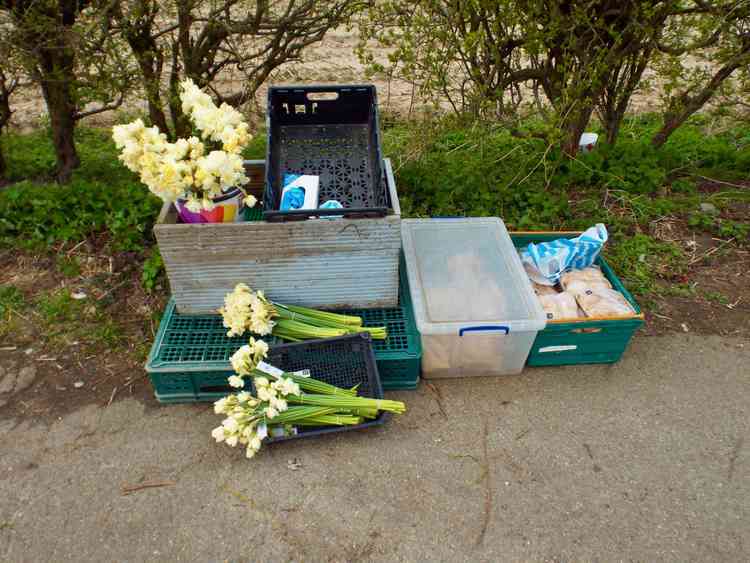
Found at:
<point>248,310</point>
<point>284,402</point>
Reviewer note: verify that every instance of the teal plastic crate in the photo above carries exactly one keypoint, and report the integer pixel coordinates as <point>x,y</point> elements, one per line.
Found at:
<point>189,360</point>
<point>253,213</point>
<point>399,356</point>
<point>585,341</point>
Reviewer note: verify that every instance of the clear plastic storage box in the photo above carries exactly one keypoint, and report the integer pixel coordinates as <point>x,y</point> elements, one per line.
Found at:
<point>473,302</point>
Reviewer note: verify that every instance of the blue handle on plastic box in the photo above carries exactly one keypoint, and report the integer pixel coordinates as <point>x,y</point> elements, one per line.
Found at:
<point>483,328</point>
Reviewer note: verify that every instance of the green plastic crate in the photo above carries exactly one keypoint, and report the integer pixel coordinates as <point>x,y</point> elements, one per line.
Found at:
<point>189,360</point>
<point>592,341</point>
<point>399,357</point>
<point>253,213</point>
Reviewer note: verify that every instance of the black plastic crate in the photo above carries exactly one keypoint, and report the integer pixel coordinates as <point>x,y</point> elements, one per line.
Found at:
<point>331,132</point>
<point>344,361</point>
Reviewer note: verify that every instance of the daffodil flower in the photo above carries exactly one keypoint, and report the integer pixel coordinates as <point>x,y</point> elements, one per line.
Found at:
<point>218,434</point>
<point>236,381</point>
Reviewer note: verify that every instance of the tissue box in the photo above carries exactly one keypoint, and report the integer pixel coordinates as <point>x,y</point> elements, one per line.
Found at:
<point>290,197</point>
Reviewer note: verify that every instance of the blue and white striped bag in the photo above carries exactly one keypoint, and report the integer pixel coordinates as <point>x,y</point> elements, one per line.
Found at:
<point>546,261</point>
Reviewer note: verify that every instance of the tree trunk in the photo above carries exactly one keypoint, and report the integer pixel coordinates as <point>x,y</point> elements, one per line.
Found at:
<point>55,81</point>
<point>151,76</point>
<point>3,164</point>
<point>672,121</point>
<point>56,67</point>
<point>574,127</point>
<point>180,121</point>
<point>5,114</point>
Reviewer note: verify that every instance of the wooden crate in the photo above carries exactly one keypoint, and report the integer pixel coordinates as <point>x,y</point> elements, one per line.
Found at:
<point>336,264</point>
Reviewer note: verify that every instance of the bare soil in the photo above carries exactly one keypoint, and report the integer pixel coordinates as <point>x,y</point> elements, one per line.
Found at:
<point>73,365</point>
<point>720,304</point>
<point>717,295</point>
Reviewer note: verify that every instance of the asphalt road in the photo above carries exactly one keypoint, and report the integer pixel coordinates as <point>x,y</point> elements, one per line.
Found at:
<point>645,460</point>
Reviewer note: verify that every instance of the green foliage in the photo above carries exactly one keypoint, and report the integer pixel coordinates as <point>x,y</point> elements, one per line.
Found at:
<point>478,171</point>
<point>717,297</point>
<point>69,267</point>
<point>153,270</point>
<point>640,260</point>
<point>256,149</point>
<point>103,196</point>
<point>58,307</point>
<point>632,166</point>
<point>724,228</point>
<point>451,168</point>
<point>104,330</point>
<point>11,298</point>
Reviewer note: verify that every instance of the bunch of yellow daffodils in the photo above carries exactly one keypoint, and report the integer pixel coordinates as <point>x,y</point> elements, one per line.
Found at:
<point>188,169</point>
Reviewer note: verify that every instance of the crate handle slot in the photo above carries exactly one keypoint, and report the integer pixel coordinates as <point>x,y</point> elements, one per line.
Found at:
<point>322,96</point>
<point>561,348</point>
<point>483,328</point>
<point>586,330</point>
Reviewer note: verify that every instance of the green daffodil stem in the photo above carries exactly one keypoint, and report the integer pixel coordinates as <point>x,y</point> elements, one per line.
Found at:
<point>331,321</point>
<point>293,414</point>
<point>322,315</point>
<point>330,420</point>
<point>310,384</point>
<point>286,328</point>
<point>347,402</point>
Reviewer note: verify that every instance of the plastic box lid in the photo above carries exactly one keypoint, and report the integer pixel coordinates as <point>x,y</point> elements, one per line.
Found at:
<point>466,275</point>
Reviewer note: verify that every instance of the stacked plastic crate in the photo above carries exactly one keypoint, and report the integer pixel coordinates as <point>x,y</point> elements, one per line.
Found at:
<point>189,360</point>
<point>351,260</point>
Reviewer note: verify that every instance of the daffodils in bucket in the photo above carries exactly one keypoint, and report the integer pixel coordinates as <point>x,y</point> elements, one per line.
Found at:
<point>285,402</point>
<point>248,310</point>
<point>203,175</point>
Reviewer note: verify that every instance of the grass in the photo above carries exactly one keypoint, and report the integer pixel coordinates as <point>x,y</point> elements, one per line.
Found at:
<point>716,297</point>
<point>641,260</point>
<point>11,299</point>
<point>69,266</point>
<point>58,309</point>
<point>62,317</point>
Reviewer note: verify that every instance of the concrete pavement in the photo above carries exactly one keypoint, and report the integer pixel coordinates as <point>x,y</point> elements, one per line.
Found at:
<point>644,460</point>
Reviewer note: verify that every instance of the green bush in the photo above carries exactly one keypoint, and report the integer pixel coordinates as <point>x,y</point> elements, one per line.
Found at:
<point>479,171</point>
<point>103,196</point>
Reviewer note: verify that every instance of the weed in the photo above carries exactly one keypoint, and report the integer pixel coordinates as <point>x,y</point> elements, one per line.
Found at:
<point>103,196</point>
<point>444,167</point>
<point>717,297</point>
<point>153,270</point>
<point>69,267</point>
<point>11,299</point>
<point>105,331</point>
<point>641,261</point>
<point>685,290</point>
<point>724,228</point>
<point>58,308</point>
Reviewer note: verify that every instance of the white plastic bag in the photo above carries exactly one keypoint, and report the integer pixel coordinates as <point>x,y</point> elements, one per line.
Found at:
<point>546,261</point>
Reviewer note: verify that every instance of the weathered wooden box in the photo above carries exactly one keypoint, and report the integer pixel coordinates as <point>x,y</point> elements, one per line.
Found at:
<point>336,264</point>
